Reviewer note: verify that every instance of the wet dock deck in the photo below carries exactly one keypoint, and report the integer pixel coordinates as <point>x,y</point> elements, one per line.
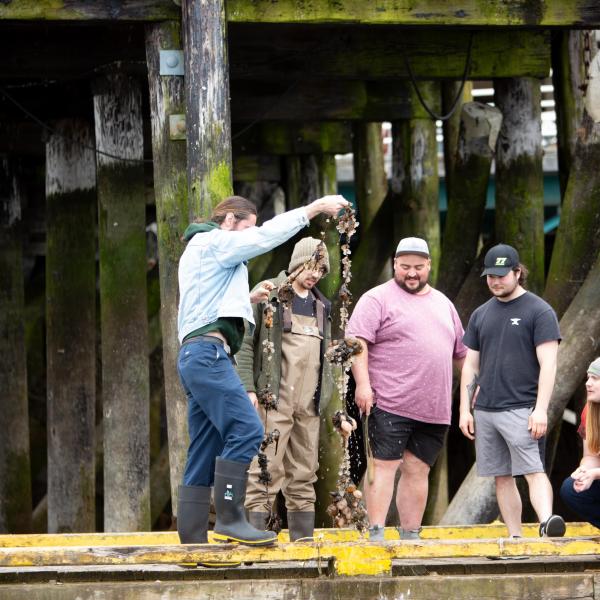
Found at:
<point>448,562</point>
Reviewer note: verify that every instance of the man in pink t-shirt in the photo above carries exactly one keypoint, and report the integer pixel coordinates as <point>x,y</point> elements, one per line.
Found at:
<point>411,336</point>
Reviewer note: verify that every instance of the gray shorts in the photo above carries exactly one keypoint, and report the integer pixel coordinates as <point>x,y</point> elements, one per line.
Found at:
<point>504,445</point>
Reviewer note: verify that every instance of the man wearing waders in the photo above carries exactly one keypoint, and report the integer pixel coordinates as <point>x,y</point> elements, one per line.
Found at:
<point>300,334</point>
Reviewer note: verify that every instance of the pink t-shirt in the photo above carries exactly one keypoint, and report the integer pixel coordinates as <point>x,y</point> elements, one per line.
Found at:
<point>412,339</point>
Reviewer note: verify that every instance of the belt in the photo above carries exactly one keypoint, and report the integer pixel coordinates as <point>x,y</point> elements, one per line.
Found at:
<point>208,338</point>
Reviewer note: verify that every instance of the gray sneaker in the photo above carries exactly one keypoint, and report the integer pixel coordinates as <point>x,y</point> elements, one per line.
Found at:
<point>409,534</point>
<point>376,533</point>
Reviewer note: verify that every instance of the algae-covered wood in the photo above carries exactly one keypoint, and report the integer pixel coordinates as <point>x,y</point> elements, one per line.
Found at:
<point>123,311</point>
<point>71,326</point>
<point>15,476</point>
<point>208,120</point>
<point>167,96</point>
<point>258,52</point>
<point>519,175</point>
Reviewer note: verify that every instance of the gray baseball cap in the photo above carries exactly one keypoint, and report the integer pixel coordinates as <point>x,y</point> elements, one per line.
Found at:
<point>412,245</point>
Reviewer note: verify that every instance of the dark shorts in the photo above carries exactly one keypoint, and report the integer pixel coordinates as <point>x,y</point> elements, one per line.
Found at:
<point>390,435</point>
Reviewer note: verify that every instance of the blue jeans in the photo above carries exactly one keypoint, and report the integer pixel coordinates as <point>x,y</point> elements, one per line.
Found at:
<point>221,418</point>
<point>586,504</point>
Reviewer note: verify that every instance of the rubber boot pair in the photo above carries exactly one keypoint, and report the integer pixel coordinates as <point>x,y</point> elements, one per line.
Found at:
<point>193,507</point>
<point>301,524</point>
<point>230,493</point>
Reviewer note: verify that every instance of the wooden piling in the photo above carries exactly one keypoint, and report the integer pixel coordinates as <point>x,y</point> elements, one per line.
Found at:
<point>207,104</point>
<point>479,128</point>
<point>15,475</point>
<point>71,326</point>
<point>167,97</point>
<point>124,325</point>
<point>415,182</point>
<point>519,174</point>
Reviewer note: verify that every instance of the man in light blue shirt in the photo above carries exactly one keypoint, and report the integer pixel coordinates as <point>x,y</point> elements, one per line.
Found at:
<point>225,430</point>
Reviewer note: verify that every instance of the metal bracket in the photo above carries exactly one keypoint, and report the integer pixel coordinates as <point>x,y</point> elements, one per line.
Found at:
<point>171,62</point>
<point>177,127</point>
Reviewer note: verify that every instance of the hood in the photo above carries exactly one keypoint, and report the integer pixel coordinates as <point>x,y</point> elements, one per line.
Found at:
<point>193,228</point>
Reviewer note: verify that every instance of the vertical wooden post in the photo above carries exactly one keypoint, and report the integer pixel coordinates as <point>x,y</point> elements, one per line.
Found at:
<point>568,72</point>
<point>415,182</point>
<point>293,170</point>
<point>124,323</point>
<point>519,174</point>
<point>71,326</point>
<point>451,127</point>
<point>207,104</point>
<point>167,97</point>
<point>370,181</point>
<point>480,125</point>
<point>15,471</point>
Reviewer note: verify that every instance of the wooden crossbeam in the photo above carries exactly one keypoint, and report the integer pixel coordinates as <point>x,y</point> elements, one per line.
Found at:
<point>461,13</point>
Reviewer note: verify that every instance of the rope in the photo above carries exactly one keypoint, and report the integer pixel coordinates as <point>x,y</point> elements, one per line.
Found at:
<point>458,95</point>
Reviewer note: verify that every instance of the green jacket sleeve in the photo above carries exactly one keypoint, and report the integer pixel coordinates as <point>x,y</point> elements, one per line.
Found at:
<point>245,357</point>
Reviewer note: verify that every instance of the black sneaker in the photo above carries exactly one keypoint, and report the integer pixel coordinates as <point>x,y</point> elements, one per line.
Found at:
<point>554,526</point>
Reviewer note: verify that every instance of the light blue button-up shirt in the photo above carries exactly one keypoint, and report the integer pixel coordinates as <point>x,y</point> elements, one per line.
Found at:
<point>213,276</point>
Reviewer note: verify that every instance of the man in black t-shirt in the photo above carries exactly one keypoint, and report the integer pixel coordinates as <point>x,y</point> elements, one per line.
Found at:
<point>511,365</point>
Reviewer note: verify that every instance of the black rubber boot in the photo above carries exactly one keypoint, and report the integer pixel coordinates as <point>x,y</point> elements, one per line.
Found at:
<point>230,492</point>
<point>301,525</point>
<point>193,507</point>
<point>192,514</point>
<point>258,519</point>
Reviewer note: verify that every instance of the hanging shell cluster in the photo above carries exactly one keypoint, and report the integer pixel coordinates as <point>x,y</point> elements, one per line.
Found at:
<point>347,507</point>
<point>346,225</point>
<point>269,401</point>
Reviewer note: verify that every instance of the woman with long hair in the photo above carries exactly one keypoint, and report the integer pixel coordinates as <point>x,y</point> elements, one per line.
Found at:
<point>581,491</point>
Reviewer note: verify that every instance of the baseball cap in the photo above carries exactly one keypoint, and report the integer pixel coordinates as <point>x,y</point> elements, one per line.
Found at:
<point>500,260</point>
<point>412,245</point>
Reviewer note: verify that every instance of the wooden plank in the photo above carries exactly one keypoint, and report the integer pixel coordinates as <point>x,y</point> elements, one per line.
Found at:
<point>157,538</point>
<point>320,100</point>
<point>491,13</point>
<point>286,52</point>
<point>294,138</point>
<point>83,10</point>
<point>480,587</point>
<point>256,168</point>
<point>283,52</point>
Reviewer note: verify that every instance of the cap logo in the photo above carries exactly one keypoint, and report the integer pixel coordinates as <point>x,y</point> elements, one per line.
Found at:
<point>501,261</point>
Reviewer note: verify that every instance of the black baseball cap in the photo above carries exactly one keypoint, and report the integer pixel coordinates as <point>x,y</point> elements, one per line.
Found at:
<point>500,260</point>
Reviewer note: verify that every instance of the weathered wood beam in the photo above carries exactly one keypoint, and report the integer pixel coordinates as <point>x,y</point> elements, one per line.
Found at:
<point>479,128</point>
<point>83,10</point>
<point>15,470</point>
<point>167,96</point>
<point>71,326</point>
<point>520,176</point>
<point>124,323</point>
<point>256,168</point>
<point>294,138</point>
<point>492,13</point>
<point>415,182</point>
<point>258,51</point>
<point>208,120</point>
<point>287,52</point>
<point>310,100</point>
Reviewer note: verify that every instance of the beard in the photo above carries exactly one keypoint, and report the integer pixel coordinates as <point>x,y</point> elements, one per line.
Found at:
<point>411,290</point>
<point>504,293</point>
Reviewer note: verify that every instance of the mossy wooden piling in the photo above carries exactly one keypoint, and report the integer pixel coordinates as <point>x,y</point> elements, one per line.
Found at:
<point>15,476</point>
<point>124,324</point>
<point>167,97</point>
<point>71,326</point>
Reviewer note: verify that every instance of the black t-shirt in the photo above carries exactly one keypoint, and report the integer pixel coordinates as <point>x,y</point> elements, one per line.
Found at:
<point>506,335</point>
